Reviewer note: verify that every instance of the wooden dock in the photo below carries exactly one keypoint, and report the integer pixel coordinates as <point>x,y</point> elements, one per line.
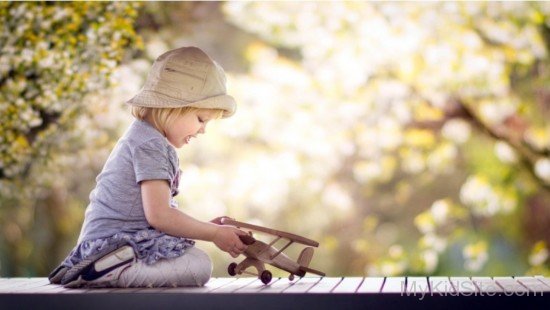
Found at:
<point>308,292</point>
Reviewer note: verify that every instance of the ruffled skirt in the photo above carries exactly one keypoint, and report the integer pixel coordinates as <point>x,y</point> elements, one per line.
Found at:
<point>150,246</point>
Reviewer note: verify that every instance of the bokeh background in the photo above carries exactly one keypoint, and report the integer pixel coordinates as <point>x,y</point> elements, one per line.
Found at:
<point>407,138</point>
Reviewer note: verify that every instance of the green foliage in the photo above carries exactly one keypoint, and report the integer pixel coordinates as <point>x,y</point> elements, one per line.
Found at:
<point>53,55</point>
<point>53,58</point>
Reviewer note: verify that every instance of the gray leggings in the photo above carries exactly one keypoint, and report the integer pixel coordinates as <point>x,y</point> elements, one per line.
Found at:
<point>193,268</point>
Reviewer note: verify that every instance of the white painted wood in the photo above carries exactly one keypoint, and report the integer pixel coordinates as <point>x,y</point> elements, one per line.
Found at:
<point>279,286</point>
<point>371,285</point>
<point>348,285</point>
<point>441,286</point>
<point>256,286</point>
<point>463,285</point>
<point>544,280</point>
<point>235,285</point>
<point>302,285</point>
<point>326,285</point>
<point>510,284</point>
<point>14,282</point>
<point>533,284</point>
<point>394,285</point>
<point>218,283</point>
<point>28,285</point>
<point>438,285</point>
<point>210,285</point>
<point>75,291</point>
<point>487,285</point>
<point>418,285</point>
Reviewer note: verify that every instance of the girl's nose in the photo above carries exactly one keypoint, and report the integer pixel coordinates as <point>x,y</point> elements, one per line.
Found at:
<point>202,129</point>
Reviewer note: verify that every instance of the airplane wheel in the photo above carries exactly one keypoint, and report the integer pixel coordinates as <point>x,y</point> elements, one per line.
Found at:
<point>291,277</point>
<point>266,276</point>
<point>231,269</point>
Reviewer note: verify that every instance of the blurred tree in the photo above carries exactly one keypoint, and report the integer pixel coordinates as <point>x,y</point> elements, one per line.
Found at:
<point>390,98</point>
<point>406,137</point>
<point>53,57</point>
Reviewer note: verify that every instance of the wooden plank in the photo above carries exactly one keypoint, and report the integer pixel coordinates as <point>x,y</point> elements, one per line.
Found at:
<point>111,290</point>
<point>31,285</point>
<point>544,280</point>
<point>441,286</point>
<point>13,282</point>
<point>348,285</point>
<point>213,284</point>
<point>235,285</point>
<point>325,285</point>
<point>139,301</point>
<point>279,286</point>
<point>533,284</point>
<point>510,285</point>
<point>220,282</point>
<point>371,285</point>
<point>302,285</point>
<point>47,289</point>
<point>74,291</point>
<point>25,285</point>
<point>418,285</point>
<point>487,285</point>
<point>35,285</point>
<point>463,285</point>
<point>257,286</point>
<point>394,285</point>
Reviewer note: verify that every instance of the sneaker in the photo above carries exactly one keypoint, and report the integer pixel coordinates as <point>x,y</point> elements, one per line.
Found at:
<point>105,270</point>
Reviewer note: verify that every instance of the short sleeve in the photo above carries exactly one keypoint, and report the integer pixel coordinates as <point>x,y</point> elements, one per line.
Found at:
<point>151,162</point>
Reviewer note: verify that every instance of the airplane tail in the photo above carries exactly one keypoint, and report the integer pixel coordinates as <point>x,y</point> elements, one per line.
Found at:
<point>305,257</point>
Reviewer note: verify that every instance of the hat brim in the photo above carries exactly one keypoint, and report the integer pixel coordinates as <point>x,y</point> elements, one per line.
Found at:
<point>151,99</point>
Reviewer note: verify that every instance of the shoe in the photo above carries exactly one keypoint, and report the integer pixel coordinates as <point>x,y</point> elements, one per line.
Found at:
<point>106,270</point>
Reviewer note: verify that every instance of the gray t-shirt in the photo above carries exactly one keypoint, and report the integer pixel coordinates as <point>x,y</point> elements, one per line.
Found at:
<point>142,153</point>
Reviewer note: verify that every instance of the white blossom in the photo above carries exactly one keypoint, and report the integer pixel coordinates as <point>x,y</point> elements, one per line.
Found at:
<point>542,169</point>
<point>538,258</point>
<point>440,211</point>
<point>505,153</point>
<point>430,259</point>
<point>456,130</point>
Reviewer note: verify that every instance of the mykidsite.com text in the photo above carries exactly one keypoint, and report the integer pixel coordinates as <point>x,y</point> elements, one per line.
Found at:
<point>461,288</point>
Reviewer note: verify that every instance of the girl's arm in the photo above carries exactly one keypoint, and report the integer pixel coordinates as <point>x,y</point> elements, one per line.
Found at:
<point>156,203</point>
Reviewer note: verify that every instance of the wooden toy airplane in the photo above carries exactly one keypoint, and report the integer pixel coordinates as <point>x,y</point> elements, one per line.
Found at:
<point>260,253</point>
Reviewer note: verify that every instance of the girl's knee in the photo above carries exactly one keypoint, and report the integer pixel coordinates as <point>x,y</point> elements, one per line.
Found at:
<point>201,266</point>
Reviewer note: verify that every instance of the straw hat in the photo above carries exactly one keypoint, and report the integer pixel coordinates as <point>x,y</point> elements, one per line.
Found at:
<point>185,77</point>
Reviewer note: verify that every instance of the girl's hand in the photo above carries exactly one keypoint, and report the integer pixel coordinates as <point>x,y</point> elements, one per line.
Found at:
<point>218,220</point>
<point>227,239</point>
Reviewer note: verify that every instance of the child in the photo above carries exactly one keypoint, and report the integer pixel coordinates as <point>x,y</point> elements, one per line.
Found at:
<point>133,234</point>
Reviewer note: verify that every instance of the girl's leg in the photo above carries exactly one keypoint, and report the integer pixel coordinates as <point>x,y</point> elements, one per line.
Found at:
<point>193,268</point>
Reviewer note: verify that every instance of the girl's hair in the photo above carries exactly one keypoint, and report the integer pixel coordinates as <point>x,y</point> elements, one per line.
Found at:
<point>163,117</point>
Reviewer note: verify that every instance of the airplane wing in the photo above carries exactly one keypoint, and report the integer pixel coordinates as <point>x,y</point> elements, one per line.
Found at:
<point>282,234</point>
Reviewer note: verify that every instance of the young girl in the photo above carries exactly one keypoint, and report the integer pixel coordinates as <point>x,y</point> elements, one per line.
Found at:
<point>133,233</point>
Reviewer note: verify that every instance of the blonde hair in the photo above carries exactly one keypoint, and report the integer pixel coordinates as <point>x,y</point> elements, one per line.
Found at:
<point>163,117</point>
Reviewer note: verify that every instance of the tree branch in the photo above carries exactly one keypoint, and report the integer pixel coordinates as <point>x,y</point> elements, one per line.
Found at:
<point>457,108</point>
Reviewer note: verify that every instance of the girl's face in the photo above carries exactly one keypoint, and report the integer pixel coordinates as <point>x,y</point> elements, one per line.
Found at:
<point>187,126</point>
